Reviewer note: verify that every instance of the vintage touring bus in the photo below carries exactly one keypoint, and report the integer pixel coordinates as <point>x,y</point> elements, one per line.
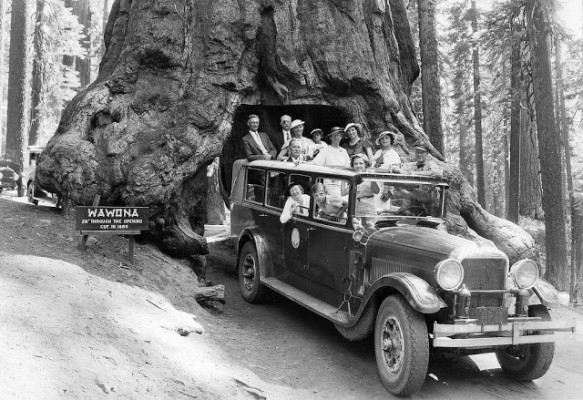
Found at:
<point>390,270</point>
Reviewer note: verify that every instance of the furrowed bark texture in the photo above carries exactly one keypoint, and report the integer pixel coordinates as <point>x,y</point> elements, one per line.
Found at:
<point>176,71</point>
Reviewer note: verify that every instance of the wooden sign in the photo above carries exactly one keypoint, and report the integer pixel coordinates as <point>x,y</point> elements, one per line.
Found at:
<point>119,220</point>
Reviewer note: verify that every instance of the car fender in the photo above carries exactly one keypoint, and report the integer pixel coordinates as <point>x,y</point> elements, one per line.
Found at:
<point>257,236</point>
<point>420,295</point>
<point>546,293</point>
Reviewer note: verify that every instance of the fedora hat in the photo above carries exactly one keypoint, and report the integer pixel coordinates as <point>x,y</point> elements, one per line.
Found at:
<point>420,145</point>
<point>296,122</point>
<point>386,133</point>
<point>335,129</point>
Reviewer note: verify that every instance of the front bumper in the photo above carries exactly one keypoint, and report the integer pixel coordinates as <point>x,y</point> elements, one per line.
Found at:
<point>514,332</point>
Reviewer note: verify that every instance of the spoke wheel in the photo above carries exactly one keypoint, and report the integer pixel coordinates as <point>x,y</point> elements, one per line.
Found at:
<point>30,194</point>
<point>401,346</point>
<point>249,274</point>
<point>528,361</point>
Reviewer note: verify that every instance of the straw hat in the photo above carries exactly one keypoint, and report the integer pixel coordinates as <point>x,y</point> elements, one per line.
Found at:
<point>296,122</point>
<point>386,133</point>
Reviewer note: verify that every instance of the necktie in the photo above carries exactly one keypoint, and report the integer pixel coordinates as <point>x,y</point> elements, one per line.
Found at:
<point>255,136</point>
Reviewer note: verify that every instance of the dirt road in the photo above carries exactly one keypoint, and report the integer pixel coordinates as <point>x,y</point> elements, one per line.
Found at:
<point>285,344</point>
<point>88,325</point>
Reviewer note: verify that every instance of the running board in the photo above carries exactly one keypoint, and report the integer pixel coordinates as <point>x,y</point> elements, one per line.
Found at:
<point>311,303</point>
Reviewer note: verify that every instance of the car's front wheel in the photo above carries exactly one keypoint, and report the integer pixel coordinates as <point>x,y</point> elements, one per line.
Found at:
<point>528,361</point>
<point>30,194</point>
<point>249,274</point>
<point>401,346</point>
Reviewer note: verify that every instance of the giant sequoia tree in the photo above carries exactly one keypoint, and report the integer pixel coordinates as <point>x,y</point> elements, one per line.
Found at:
<point>176,73</point>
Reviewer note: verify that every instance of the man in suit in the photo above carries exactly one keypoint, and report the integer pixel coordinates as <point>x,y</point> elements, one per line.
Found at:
<point>256,144</point>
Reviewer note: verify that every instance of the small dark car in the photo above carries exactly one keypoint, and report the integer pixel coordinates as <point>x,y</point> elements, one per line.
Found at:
<point>11,176</point>
<point>390,270</point>
<point>34,192</point>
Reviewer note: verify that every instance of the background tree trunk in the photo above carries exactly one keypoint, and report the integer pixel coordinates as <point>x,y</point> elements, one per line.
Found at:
<point>175,75</point>
<point>2,39</point>
<point>18,83</point>
<point>38,74</point>
<point>431,90</point>
<point>477,110</point>
<point>557,271</point>
<point>577,249</point>
<point>514,154</point>
<point>82,10</point>
<point>530,204</point>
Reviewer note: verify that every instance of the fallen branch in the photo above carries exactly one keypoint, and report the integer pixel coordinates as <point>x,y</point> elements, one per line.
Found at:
<point>211,293</point>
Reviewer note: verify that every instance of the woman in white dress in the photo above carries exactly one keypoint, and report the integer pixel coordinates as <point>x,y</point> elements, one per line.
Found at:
<point>386,157</point>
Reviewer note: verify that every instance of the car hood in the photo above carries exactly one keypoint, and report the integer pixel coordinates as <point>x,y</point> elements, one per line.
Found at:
<point>428,242</point>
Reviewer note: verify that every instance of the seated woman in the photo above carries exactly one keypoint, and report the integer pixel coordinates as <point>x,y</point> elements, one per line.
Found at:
<point>329,207</point>
<point>297,203</point>
<point>365,206</point>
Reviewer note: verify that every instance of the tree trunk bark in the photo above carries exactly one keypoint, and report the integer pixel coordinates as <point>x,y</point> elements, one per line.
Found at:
<point>38,75</point>
<point>2,39</point>
<point>577,249</point>
<point>431,90</point>
<point>478,110</point>
<point>530,204</point>
<point>562,122</point>
<point>215,204</point>
<point>514,156</point>
<point>175,74</point>
<point>557,271</point>
<point>18,83</point>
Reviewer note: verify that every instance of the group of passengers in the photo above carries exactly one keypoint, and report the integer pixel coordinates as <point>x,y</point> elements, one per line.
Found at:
<point>291,145</point>
<point>356,152</point>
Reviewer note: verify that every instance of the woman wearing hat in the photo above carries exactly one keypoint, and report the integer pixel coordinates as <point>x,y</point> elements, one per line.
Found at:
<point>333,155</point>
<point>318,145</point>
<point>386,156</point>
<point>297,128</point>
<point>356,144</point>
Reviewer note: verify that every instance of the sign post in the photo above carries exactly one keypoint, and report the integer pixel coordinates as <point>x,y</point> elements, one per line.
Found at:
<point>112,220</point>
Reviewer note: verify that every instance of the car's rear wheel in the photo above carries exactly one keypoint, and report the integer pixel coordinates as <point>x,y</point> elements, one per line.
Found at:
<point>528,361</point>
<point>30,194</point>
<point>249,274</point>
<point>401,346</point>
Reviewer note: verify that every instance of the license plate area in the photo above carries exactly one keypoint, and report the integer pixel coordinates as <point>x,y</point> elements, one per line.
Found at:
<point>489,315</point>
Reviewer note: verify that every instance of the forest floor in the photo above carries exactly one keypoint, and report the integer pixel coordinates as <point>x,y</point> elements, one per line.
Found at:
<point>90,325</point>
<point>85,325</point>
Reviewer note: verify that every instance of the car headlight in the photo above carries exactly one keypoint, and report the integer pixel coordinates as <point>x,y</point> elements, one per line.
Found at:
<point>524,273</point>
<point>449,274</point>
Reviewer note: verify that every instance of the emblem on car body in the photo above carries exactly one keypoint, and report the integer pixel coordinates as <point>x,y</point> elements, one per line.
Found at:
<point>295,238</point>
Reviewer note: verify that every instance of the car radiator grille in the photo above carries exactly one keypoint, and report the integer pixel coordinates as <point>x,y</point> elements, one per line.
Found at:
<point>485,274</point>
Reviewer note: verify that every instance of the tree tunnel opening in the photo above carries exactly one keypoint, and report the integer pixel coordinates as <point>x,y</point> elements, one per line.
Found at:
<point>314,116</point>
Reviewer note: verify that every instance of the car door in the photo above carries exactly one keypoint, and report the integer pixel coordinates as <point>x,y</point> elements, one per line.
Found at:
<point>295,235</point>
<point>327,252</point>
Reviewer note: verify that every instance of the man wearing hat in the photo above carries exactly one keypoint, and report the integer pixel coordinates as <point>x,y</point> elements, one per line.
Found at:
<point>421,165</point>
<point>256,144</point>
<point>297,128</point>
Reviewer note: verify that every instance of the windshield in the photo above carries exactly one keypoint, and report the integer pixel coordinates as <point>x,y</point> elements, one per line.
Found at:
<point>377,198</point>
